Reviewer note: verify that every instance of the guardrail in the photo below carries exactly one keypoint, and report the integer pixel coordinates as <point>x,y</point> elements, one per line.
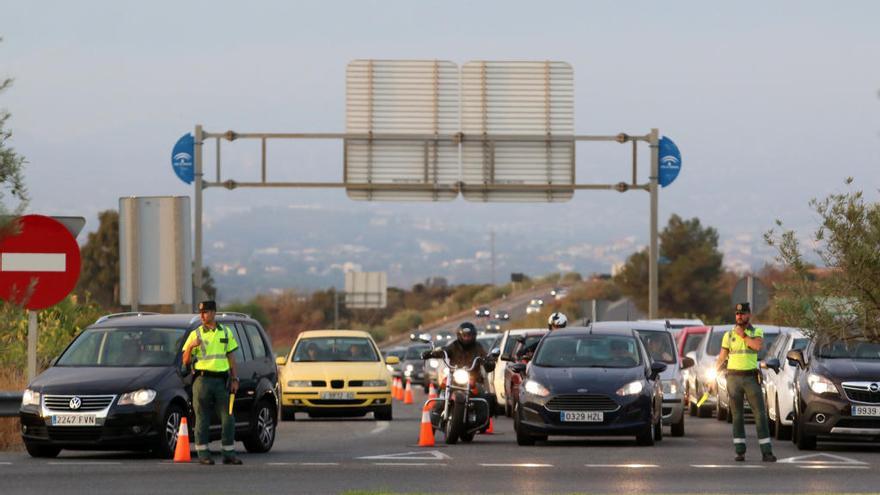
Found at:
<point>9,404</point>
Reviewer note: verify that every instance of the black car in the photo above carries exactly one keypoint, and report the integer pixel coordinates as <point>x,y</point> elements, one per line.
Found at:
<point>482,312</point>
<point>412,365</point>
<point>595,380</point>
<point>120,385</point>
<point>836,391</point>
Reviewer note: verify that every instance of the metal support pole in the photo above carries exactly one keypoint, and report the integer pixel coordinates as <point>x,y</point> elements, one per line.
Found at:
<point>653,255</point>
<point>750,291</point>
<point>32,345</point>
<point>594,310</point>
<point>197,238</point>
<point>492,241</point>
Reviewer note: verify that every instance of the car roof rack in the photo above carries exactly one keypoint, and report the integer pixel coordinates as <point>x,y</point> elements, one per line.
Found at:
<point>121,315</point>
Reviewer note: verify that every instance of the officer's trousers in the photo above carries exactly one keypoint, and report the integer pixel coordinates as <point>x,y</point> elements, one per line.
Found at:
<point>210,396</point>
<point>747,386</point>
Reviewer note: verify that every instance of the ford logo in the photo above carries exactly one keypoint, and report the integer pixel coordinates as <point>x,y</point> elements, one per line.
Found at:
<point>75,403</point>
<point>874,387</point>
<point>582,390</point>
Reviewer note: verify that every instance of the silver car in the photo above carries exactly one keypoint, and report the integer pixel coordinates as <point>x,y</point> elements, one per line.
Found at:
<point>658,341</point>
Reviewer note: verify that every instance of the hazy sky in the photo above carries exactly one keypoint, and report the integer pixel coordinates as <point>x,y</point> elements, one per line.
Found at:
<point>771,103</point>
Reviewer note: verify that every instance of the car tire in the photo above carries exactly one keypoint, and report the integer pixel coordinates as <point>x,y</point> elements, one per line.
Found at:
<point>692,405</point>
<point>677,429</point>
<point>288,414</point>
<point>801,439</point>
<point>658,430</point>
<point>384,414</point>
<point>263,428</point>
<point>720,411</point>
<point>426,388</point>
<point>166,443</point>
<point>44,451</point>
<point>522,437</point>
<point>646,437</point>
<point>467,437</point>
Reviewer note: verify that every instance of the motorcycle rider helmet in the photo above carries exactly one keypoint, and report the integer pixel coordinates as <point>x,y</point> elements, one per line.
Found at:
<point>467,334</point>
<point>557,320</point>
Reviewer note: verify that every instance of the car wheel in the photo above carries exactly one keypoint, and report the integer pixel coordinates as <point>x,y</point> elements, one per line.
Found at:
<point>646,436</point>
<point>455,424</point>
<point>692,405</point>
<point>42,450</point>
<point>720,412</point>
<point>658,430</point>
<point>288,414</point>
<point>426,388</point>
<point>384,414</point>
<point>522,437</point>
<point>166,443</point>
<point>467,437</point>
<point>678,428</point>
<point>801,439</point>
<point>262,435</point>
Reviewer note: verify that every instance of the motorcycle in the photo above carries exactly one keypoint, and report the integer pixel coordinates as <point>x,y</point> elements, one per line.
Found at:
<point>463,413</point>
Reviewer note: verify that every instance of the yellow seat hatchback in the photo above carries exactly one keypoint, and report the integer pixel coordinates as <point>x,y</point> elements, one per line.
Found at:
<point>335,373</point>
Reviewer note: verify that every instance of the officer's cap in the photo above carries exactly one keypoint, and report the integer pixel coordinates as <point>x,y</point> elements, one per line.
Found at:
<point>207,306</point>
<point>743,308</point>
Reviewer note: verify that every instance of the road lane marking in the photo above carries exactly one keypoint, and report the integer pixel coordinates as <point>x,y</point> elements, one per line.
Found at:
<point>632,466</point>
<point>407,464</point>
<point>83,463</point>
<point>5,463</point>
<point>728,466</point>
<point>826,466</point>
<point>33,262</point>
<point>319,464</point>
<point>431,455</point>
<point>382,426</point>
<point>523,464</point>
<point>819,459</point>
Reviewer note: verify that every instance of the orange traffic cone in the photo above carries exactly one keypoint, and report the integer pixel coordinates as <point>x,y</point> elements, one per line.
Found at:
<point>397,389</point>
<point>408,398</point>
<point>181,452</point>
<point>491,429</point>
<point>426,432</point>
<point>432,392</point>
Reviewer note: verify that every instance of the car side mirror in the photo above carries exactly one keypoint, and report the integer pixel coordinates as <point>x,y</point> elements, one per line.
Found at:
<point>281,360</point>
<point>656,369</point>
<point>772,364</point>
<point>796,358</point>
<point>392,360</point>
<point>518,368</point>
<point>686,363</point>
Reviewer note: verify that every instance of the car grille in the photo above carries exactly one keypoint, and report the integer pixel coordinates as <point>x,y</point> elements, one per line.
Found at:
<point>75,433</point>
<point>337,402</point>
<point>586,402</point>
<point>862,395</point>
<point>89,402</point>
<point>319,383</point>
<point>337,383</point>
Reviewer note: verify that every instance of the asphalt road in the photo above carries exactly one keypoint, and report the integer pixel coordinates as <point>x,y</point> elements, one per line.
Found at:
<point>334,456</point>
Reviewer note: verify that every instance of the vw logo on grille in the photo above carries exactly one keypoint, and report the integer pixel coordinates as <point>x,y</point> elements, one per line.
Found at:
<point>75,403</point>
<point>874,387</point>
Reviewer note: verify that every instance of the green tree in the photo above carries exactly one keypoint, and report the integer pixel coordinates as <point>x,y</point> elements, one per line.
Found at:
<point>99,276</point>
<point>251,308</point>
<point>689,271</point>
<point>11,176</point>
<point>209,286</point>
<point>847,301</point>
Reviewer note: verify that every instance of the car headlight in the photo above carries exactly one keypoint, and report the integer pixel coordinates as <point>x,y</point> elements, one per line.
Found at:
<point>461,377</point>
<point>409,367</point>
<point>140,397</point>
<point>535,388</point>
<point>389,368</point>
<point>407,373</point>
<point>433,363</point>
<point>375,383</point>
<point>670,387</point>
<point>30,398</point>
<point>710,374</point>
<point>631,388</point>
<point>821,385</point>
<point>299,383</point>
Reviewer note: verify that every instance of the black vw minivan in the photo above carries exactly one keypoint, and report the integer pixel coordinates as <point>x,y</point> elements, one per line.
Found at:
<point>120,385</point>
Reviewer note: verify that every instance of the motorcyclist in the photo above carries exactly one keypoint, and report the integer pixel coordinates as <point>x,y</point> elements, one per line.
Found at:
<point>556,321</point>
<point>461,353</point>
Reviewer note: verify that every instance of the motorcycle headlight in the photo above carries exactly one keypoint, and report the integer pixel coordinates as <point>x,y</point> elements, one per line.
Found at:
<point>433,363</point>
<point>140,397</point>
<point>535,388</point>
<point>461,377</point>
<point>821,385</point>
<point>631,388</point>
<point>30,398</point>
<point>375,383</point>
<point>670,387</point>
<point>299,383</point>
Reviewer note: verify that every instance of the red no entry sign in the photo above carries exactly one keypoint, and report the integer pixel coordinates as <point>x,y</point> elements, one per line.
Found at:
<point>40,265</point>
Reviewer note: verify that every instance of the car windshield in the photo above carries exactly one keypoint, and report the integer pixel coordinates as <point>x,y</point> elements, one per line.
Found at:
<point>124,347</point>
<point>588,351</point>
<point>659,346</point>
<point>800,344</point>
<point>398,353</point>
<point>334,349</point>
<point>691,342</point>
<point>415,352</point>
<point>858,349</point>
<point>529,340</point>
<point>487,343</point>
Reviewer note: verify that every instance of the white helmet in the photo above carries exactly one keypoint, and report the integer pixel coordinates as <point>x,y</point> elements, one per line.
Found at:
<point>557,320</point>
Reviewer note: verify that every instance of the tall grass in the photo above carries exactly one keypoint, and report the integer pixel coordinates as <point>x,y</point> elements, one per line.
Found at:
<point>11,379</point>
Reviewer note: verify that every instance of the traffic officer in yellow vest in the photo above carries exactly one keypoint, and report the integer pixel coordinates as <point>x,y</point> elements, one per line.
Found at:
<point>739,348</point>
<point>216,377</point>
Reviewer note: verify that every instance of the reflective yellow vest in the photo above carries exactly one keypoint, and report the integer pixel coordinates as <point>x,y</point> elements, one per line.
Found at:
<point>741,357</point>
<point>211,355</point>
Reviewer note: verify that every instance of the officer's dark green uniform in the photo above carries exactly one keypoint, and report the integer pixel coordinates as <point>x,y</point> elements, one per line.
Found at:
<point>743,381</point>
<point>210,388</point>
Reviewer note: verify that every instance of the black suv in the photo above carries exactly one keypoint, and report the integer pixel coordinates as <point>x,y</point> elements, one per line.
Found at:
<point>836,391</point>
<point>120,385</point>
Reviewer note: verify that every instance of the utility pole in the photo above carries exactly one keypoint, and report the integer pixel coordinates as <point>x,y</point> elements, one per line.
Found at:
<point>654,141</point>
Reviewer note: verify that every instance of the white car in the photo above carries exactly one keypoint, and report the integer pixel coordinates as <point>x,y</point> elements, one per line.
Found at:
<point>676,324</point>
<point>496,378</point>
<point>535,306</point>
<point>779,380</point>
<point>703,374</point>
